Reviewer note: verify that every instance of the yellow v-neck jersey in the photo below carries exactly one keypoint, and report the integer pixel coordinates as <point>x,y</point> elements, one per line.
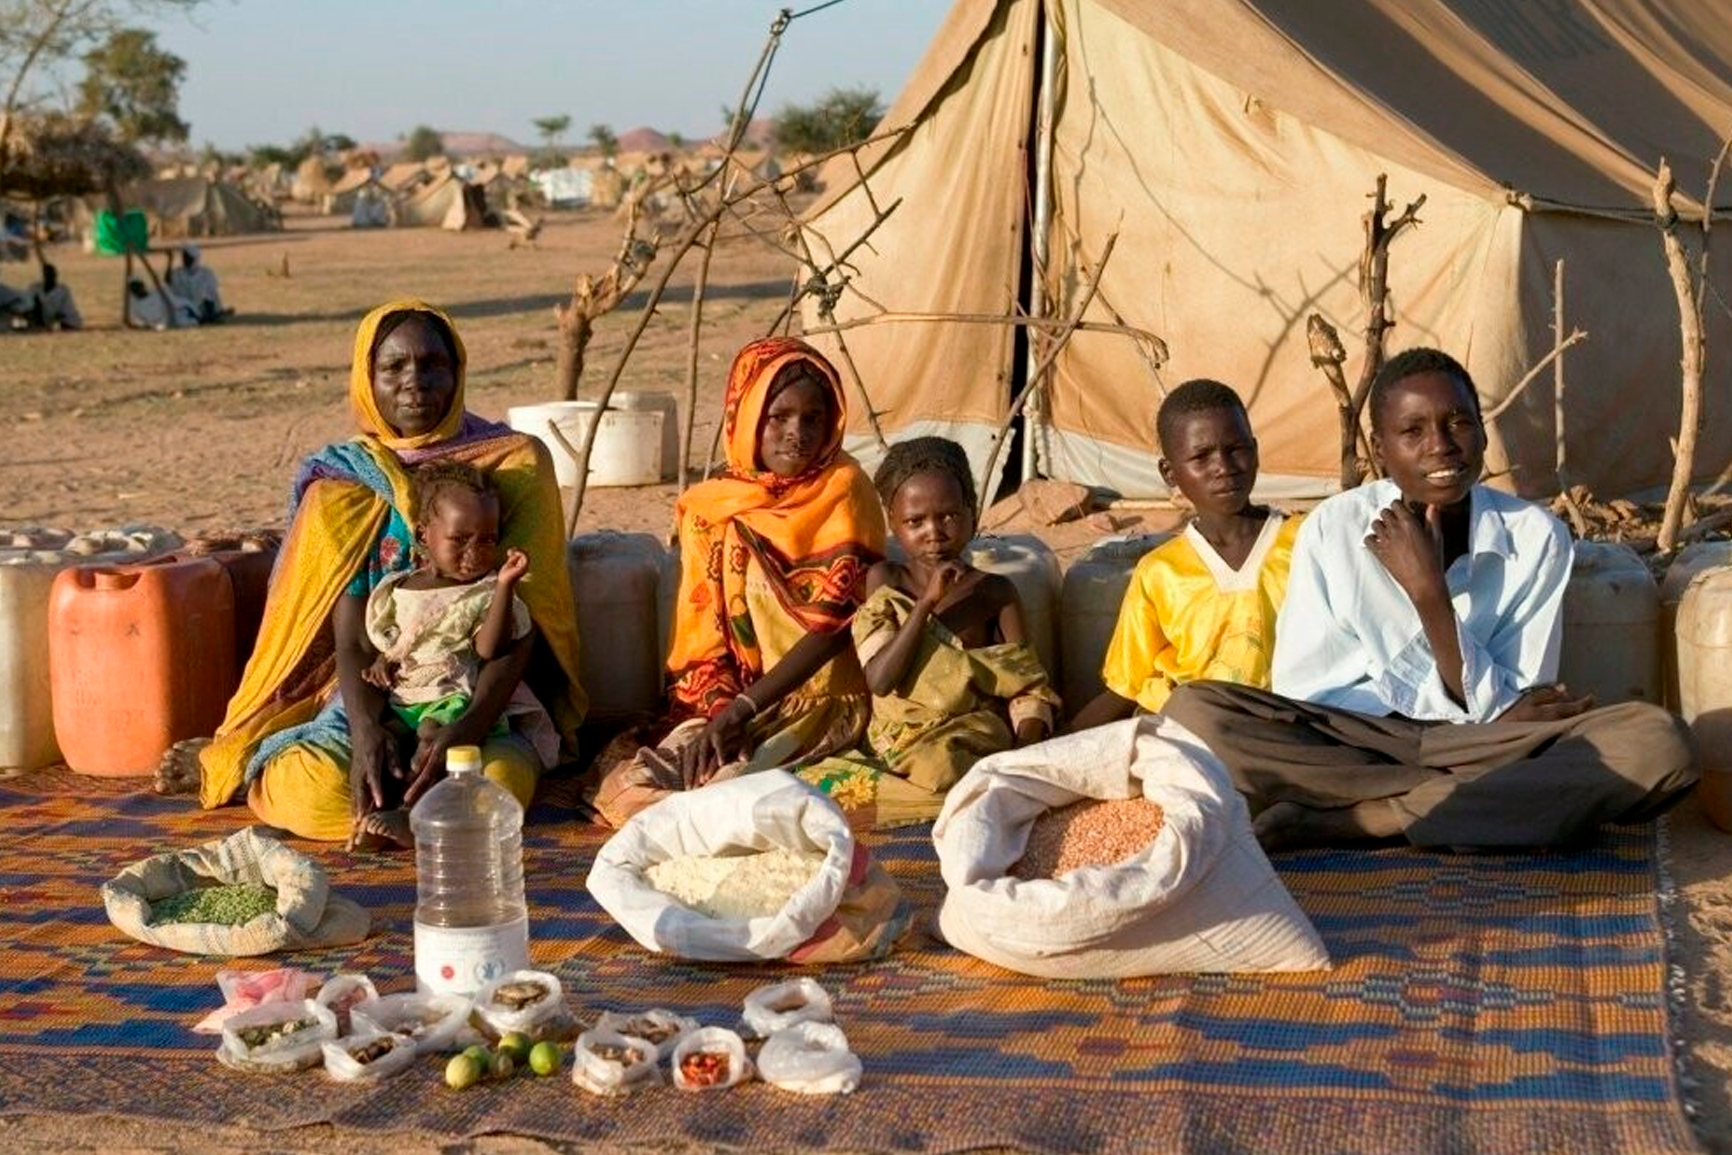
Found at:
<point>1188,616</point>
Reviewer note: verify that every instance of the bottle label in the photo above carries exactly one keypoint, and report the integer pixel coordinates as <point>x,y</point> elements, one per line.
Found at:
<point>460,960</point>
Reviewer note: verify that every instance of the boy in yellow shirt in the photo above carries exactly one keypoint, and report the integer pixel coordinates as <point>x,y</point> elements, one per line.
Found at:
<point>1201,606</point>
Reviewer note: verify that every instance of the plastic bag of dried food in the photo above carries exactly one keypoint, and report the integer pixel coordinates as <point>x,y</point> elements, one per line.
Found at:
<point>606,1062</point>
<point>663,1028</point>
<point>1201,897</point>
<point>368,1056</point>
<point>709,1059</point>
<point>244,990</point>
<point>342,993</point>
<point>847,911</point>
<point>527,1001</point>
<point>307,914</point>
<point>782,1005</point>
<point>810,1058</point>
<point>277,1037</point>
<point>432,1021</point>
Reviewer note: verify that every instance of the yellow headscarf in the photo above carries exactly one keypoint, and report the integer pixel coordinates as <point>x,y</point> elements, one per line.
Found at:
<point>340,513</point>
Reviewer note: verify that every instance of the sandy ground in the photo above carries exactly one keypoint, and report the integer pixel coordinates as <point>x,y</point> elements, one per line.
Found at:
<point>201,430</point>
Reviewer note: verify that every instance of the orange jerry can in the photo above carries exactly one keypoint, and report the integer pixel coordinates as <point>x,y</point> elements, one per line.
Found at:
<point>140,656</point>
<point>249,572</point>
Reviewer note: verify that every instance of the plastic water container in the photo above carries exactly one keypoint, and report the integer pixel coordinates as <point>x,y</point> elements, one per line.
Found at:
<point>248,570</point>
<point>30,559</point>
<point>616,579</point>
<point>1611,642</point>
<point>471,923</point>
<point>1691,561</point>
<point>628,444</point>
<point>1094,589</point>
<point>656,401</point>
<point>140,657</point>
<point>1705,685</point>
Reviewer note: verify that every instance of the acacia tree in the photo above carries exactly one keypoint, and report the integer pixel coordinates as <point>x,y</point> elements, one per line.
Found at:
<point>602,137</point>
<point>423,143</point>
<point>134,84</point>
<point>838,119</point>
<point>37,36</point>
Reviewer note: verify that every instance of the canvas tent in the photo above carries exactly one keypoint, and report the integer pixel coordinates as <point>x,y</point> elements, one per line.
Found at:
<point>448,202</point>
<point>1231,144</point>
<point>190,207</point>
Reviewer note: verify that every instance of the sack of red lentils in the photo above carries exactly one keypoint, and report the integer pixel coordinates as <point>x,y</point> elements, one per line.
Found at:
<point>754,868</point>
<point>1115,852</point>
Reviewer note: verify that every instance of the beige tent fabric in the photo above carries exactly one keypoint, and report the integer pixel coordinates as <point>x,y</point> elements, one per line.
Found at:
<point>188,207</point>
<point>958,241</point>
<point>1232,145</point>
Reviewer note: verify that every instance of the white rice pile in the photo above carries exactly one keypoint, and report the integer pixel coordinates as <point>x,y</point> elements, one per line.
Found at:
<point>740,886</point>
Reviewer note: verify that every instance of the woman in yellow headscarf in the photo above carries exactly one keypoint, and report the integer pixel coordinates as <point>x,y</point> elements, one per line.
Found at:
<point>773,560</point>
<point>303,737</point>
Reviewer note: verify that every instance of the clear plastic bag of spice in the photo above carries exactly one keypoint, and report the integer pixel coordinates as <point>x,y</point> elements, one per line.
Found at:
<point>368,1057</point>
<point>277,1037</point>
<point>710,1059</point>
<point>811,1059</point>
<point>605,1062</point>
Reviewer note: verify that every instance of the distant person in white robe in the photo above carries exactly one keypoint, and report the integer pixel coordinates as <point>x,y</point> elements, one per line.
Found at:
<point>159,309</point>
<point>51,305</point>
<point>195,282</point>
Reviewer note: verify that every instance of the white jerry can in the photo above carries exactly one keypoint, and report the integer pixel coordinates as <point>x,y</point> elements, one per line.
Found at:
<point>1094,589</point>
<point>1611,634</point>
<point>616,580</point>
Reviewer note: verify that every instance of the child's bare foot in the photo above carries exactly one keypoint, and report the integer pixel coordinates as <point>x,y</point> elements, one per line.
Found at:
<point>179,771</point>
<point>382,830</point>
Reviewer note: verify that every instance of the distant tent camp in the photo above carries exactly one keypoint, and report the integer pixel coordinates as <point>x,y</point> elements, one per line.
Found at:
<point>564,187</point>
<point>191,207</point>
<point>404,176</point>
<point>449,202</point>
<point>359,196</point>
<point>310,184</point>
<point>1231,145</point>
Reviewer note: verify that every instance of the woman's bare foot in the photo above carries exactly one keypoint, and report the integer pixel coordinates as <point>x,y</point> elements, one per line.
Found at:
<point>1290,826</point>
<point>179,771</point>
<point>382,830</point>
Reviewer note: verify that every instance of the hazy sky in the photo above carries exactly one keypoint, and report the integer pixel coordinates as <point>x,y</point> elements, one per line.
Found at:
<point>262,71</point>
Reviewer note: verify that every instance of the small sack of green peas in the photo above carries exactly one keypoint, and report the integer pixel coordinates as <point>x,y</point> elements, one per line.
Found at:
<point>243,895</point>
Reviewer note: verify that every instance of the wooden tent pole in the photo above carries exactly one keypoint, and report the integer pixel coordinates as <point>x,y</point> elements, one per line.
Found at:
<point>1040,247</point>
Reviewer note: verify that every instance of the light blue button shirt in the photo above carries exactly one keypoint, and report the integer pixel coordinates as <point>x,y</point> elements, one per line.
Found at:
<point>1348,635</point>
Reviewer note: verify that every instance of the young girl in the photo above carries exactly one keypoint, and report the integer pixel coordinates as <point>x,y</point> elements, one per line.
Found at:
<point>943,648</point>
<point>434,626</point>
<point>772,556</point>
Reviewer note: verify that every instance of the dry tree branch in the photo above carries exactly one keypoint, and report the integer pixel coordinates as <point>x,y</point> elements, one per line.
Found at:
<point>1056,345</point>
<point>592,297</point>
<point>1329,355</point>
<point>1374,291</point>
<point>1554,354</point>
<point>698,289</point>
<point>1690,364</point>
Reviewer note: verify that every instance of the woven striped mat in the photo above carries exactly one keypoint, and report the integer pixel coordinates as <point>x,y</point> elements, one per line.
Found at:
<point>1485,1003</point>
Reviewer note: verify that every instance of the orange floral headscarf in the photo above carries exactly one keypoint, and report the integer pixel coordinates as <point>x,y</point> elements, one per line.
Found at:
<point>814,536</point>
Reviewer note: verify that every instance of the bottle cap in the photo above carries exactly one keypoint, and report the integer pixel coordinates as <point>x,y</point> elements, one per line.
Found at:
<point>463,760</point>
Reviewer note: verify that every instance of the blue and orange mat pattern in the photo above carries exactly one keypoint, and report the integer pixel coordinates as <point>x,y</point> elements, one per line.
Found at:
<point>1485,1003</point>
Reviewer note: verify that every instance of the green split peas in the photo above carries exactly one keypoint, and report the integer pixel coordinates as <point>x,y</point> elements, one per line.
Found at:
<point>225,905</point>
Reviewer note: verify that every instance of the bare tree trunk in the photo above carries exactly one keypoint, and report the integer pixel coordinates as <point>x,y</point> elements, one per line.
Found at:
<point>1694,354</point>
<point>575,329</point>
<point>1379,318</point>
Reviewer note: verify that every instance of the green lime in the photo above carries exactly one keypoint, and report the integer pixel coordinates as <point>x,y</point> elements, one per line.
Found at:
<point>517,1043</point>
<point>482,1056</point>
<point>504,1066</point>
<point>544,1058</point>
<point>462,1072</point>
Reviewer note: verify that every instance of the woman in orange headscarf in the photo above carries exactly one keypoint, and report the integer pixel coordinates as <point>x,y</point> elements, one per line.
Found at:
<point>773,559</point>
<point>303,738</point>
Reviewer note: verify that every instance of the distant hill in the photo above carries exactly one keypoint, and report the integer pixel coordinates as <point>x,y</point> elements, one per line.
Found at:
<point>460,145</point>
<point>643,140</point>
